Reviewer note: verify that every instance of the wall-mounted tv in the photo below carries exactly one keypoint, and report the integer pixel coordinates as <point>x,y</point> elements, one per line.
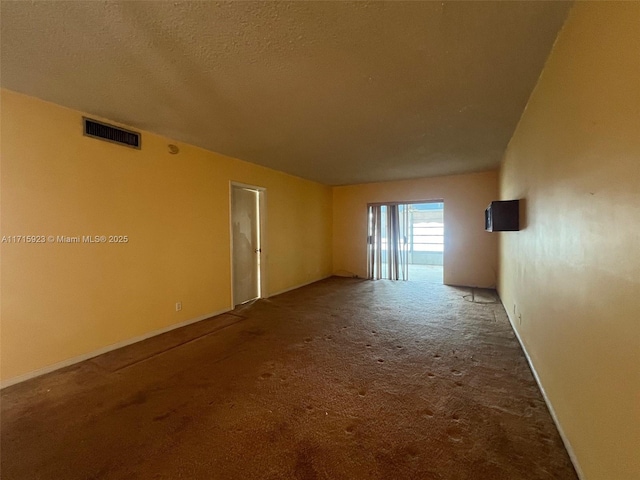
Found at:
<point>502,216</point>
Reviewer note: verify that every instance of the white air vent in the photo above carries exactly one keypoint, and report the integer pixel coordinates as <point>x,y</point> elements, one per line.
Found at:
<point>109,133</point>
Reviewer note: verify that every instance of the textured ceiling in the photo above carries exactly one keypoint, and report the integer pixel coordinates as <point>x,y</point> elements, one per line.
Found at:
<point>330,91</point>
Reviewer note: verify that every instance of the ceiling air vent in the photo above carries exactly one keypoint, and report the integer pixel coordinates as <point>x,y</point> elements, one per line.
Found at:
<point>109,133</point>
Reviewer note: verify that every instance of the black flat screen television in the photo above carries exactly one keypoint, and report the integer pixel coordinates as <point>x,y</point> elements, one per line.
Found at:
<point>502,216</point>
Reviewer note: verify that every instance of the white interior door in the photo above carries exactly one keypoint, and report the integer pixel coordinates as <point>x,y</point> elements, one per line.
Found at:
<point>245,222</point>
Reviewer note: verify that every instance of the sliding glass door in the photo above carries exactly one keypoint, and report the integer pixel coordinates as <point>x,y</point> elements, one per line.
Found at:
<point>404,235</point>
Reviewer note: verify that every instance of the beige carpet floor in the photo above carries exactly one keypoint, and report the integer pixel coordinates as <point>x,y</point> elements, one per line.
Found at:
<point>342,379</point>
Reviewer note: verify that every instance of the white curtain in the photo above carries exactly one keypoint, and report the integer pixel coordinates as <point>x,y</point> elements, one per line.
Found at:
<point>387,242</point>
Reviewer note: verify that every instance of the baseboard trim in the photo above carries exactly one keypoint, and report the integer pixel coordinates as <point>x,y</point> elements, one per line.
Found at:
<point>280,292</point>
<point>565,440</point>
<point>108,348</point>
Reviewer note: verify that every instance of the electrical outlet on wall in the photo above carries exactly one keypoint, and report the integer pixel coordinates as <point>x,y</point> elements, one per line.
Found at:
<point>178,306</point>
<point>517,315</point>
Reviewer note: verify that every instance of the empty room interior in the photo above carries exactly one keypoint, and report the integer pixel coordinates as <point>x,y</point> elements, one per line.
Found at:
<point>320,240</point>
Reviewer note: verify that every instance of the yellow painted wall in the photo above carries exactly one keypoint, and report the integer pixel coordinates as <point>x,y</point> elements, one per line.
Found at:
<point>60,301</point>
<point>573,274</point>
<point>470,255</point>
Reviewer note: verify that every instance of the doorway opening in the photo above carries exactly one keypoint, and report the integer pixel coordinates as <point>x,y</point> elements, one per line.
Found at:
<point>247,223</point>
<point>406,241</point>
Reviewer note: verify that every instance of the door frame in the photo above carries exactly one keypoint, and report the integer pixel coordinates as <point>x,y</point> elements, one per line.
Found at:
<point>262,223</point>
